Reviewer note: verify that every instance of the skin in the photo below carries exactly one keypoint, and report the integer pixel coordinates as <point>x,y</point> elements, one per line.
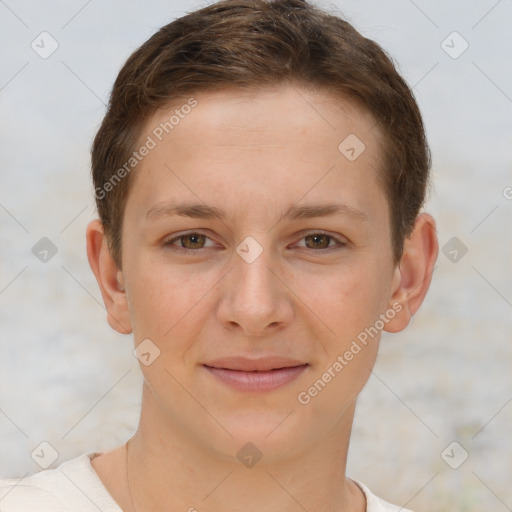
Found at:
<point>254,154</point>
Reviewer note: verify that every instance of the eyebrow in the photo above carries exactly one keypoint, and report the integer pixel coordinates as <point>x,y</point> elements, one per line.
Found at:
<point>294,212</point>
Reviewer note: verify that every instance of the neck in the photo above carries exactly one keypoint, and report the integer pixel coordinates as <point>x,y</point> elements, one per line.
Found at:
<point>170,471</point>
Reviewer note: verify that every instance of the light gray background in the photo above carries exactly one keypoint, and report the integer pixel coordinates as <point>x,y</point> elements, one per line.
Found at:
<point>68,379</point>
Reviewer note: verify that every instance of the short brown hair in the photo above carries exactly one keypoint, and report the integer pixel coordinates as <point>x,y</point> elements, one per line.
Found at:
<point>252,44</point>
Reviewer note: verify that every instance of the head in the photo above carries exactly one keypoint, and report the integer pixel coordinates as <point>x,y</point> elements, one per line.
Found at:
<point>254,45</point>
<point>232,137</point>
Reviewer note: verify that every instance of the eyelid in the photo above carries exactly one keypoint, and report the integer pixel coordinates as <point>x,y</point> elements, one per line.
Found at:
<point>177,236</point>
<point>341,240</point>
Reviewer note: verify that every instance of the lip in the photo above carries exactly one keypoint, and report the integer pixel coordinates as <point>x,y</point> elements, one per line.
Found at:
<point>254,365</point>
<point>264,374</point>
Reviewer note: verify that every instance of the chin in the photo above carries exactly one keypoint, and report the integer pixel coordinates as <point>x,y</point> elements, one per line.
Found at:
<point>266,436</point>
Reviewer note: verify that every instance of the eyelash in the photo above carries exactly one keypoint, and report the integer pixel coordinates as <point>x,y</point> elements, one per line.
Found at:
<point>169,243</point>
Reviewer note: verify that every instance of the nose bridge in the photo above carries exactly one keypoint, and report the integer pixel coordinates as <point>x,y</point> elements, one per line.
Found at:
<point>255,297</point>
<point>254,278</point>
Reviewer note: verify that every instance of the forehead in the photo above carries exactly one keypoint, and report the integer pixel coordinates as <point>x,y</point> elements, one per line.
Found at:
<point>319,115</point>
<point>284,138</point>
<point>266,107</point>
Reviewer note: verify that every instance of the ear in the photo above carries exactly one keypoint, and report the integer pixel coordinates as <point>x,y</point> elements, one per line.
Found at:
<point>414,272</point>
<point>109,277</point>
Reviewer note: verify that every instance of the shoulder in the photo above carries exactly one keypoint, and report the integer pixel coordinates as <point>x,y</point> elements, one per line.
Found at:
<point>30,493</point>
<point>376,504</point>
<point>71,487</point>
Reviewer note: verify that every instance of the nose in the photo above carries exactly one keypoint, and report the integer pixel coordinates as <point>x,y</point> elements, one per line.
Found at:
<point>255,298</point>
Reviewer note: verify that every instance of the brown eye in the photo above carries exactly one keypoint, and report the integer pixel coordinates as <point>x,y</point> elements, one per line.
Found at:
<point>318,241</point>
<point>192,241</point>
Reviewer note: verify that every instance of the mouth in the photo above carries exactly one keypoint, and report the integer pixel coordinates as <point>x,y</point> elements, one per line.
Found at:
<point>265,374</point>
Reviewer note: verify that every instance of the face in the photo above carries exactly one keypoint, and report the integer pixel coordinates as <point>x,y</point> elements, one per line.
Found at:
<point>256,254</point>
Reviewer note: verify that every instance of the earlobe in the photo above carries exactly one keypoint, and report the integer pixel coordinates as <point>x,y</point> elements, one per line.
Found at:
<point>414,272</point>
<point>109,277</point>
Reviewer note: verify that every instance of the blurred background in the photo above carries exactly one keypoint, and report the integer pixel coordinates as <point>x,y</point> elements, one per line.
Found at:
<point>433,425</point>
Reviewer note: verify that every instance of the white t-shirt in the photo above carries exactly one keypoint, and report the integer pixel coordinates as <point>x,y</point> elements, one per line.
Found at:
<point>74,486</point>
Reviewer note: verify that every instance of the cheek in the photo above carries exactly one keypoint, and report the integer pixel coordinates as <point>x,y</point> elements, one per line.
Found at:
<point>345,300</point>
<point>347,306</point>
<point>163,298</point>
